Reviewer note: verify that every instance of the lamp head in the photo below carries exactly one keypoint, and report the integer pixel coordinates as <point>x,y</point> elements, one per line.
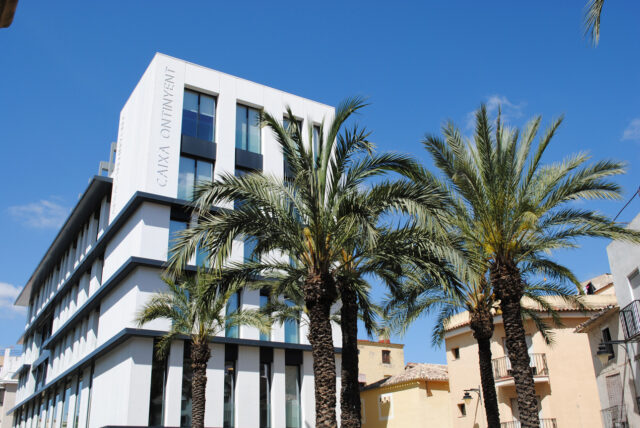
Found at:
<point>467,398</point>
<point>603,354</point>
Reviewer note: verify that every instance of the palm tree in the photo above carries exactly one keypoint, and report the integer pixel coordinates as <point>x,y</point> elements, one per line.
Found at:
<point>593,10</point>
<point>476,296</point>
<point>517,209</point>
<point>195,305</point>
<point>394,256</point>
<point>307,216</point>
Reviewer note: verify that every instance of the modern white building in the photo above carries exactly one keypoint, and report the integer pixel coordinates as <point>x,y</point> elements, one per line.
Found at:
<point>622,385</point>
<point>86,363</point>
<point>9,363</point>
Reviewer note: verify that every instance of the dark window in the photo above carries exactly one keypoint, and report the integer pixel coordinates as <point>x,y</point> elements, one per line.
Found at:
<point>76,416</point>
<point>606,337</point>
<point>65,404</point>
<point>292,396</point>
<point>175,226</point>
<point>158,385</point>
<point>456,353</point>
<point>229,394</point>
<point>192,172</point>
<point>264,300</point>
<point>291,327</point>
<point>198,112</point>
<point>233,304</point>
<point>462,408</point>
<point>265,395</point>
<point>386,357</point>
<point>248,129</point>
<point>187,375</point>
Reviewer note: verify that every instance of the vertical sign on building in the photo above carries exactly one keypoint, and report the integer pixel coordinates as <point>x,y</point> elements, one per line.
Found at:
<point>164,156</point>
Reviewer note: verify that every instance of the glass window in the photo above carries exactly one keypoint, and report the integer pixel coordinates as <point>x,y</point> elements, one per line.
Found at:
<point>187,375</point>
<point>264,300</point>
<point>232,305</point>
<point>89,397</point>
<point>292,396</point>
<point>76,418</point>
<point>65,404</point>
<point>248,248</point>
<point>198,115</point>
<point>190,114</point>
<point>186,178</point>
<point>54,414</point>
<point>192,172</point>
<point>248,129</point>
<point>157,390</point>
<point>291,328</point>
<point>316,139</point>
<point>229,394</point>
<point>265,395</point>
<point>386,356</point>
<point>175,226</point>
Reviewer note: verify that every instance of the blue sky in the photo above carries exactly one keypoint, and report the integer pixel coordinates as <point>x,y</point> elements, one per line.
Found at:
<point>68,67</point>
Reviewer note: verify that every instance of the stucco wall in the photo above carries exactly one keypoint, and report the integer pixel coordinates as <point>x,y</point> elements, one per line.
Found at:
<point>414,404</point>
<point>370,360</point>
<point>570,394</point>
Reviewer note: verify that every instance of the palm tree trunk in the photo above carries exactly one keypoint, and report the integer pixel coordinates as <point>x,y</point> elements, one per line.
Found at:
<point>350,391</point>
<point>509,289</point>
<point>320,294</point>
<point>200,354</point>
<point>482,326</point>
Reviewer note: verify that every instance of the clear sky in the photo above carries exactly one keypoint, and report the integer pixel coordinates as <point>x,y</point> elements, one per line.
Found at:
<point>68,67</point>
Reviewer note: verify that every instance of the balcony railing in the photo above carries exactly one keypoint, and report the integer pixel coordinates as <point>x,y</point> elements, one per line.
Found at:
<point>614,417</point>
<point>544,423</point>
<point>630,319</point>
<point>502,366</point>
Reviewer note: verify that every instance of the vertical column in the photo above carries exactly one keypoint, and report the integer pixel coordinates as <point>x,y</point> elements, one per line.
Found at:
<point>307,394</point>
<point>215,387</point>
<point>278,404</point>
<point>173,388</point>
<point>248,387</point>
<point>250,300</point>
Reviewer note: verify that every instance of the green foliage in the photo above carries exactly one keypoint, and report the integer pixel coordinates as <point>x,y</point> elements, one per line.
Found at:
<point>195,304</point>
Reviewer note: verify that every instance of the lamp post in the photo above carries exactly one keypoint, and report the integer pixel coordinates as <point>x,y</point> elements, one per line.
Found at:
<point>467,397</point>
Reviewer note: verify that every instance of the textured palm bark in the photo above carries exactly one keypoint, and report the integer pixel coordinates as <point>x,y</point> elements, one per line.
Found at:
<point>320,293</point>
<point>482,327</point>
<point>350,391</point>
<point>200,354</point>
<point>508,286</point>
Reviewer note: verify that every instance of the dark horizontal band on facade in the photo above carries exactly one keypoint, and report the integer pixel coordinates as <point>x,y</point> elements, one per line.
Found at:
<point>127,333</point>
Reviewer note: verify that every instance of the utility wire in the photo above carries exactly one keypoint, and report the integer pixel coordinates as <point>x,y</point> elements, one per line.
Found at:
<point>625,205</point>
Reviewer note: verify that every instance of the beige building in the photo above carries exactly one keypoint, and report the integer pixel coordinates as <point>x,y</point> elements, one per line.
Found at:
<point>564,374</point>
<point>416,397</point>
<point>379,360</point>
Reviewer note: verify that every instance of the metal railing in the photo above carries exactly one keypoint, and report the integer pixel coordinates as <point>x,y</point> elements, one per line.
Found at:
<point>544,423</point>
<point>502,366</point>
<point>614,417</point>
<point>630,319</point>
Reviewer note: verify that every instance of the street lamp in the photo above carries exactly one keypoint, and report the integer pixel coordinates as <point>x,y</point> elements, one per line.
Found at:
<point>467,397</point>
<point>603,353</point>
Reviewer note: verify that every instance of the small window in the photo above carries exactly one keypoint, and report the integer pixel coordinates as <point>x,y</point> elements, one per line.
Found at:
<point>198,112</point>
<point>606,337</point>
<point>386,356</point>
<point>462,409</point>
<point>456,353</point>
<point>248,129</point>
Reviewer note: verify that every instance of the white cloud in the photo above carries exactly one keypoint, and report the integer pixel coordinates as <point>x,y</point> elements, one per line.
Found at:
<point>8,294</point>
<point>632,131</point>
<point>510,111</point>
<point>43,214</point>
